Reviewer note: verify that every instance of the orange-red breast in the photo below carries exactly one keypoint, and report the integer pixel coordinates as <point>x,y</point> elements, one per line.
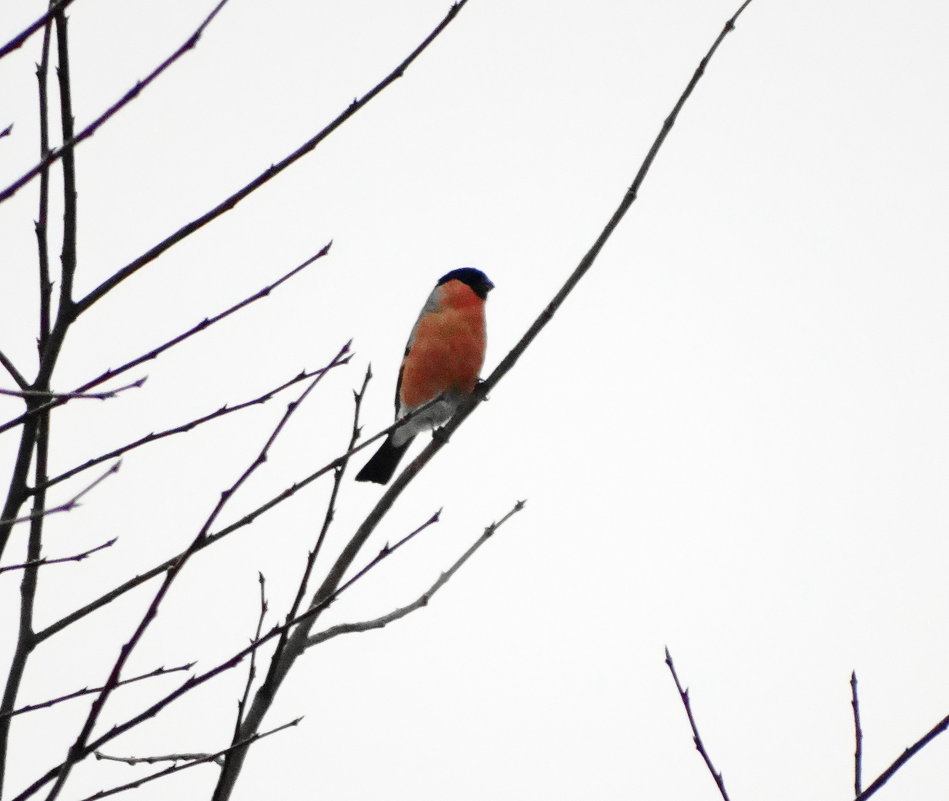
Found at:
<point>442,359</point>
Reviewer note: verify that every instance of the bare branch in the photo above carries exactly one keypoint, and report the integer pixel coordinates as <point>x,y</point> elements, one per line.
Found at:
<point>15,374</point>
<point>252,670</point>
<point>42,239</point>
<point>17,41</point>
<point>70,142</point>
<point>275,169</point>
<point>19,490</point>
<point>587,262</point>
<point>160,671</point>
<point>65,396</point>
<point>68,256</point>
<point>858,735</point>
<point>206,323</point>
<point>423,599</point>
<point>216,758</point>
<point>152,760</point>
<point>696,738</point>
<point>327,521</point>
<point>903,758</point>
<point>69,505</point>
<point>200,760</point>
<point>191,424</point>
<point>75,558</point>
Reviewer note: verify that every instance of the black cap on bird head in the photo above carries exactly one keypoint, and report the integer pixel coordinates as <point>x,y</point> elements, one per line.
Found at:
<point>480,283</point>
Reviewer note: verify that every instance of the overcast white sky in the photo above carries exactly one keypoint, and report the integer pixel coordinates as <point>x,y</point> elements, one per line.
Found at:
<point>732,438</point>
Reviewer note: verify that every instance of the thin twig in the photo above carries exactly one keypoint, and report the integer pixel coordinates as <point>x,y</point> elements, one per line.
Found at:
<point>70,143</point>
<point>152,760</point>
<point>40,229</point>
<point>200,760</point>
<point>273,170</point>
<point>191,424</point>
<point>15,374</point>
<point>423,599</point>
<point>160,671</point>
<point>17,41</point>
<point>68,256</point>
<point>47,395</point>
<point>75,558</point>
<point>903,758</point>
<point>69,505</point>
<point>858,735</point>
<point>5,132</point>
<point>696,738</point>
<point>252,670</point>
<point>19,489</point>
<point>328,516</point>
<point>155,352</point>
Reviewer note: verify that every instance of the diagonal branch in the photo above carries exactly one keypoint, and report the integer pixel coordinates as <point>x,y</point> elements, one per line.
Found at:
<point>423,599</point>
<point>15,374</point>
<point>199,760</point>
<point>275,169</point>
<point>70,143</point>
<point>75,558</point>
<point>65,396</point>
<point>68,506</point>
<point>160,671</point>
<point>696,737</point>
<point>190,425</point>
<point>17,41</point>
<point>903,758</point>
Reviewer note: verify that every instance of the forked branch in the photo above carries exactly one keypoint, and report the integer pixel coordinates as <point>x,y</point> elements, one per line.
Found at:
<point>423,599</point>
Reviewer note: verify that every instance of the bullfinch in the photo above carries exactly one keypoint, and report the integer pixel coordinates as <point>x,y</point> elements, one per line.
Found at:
<point>442,360</point>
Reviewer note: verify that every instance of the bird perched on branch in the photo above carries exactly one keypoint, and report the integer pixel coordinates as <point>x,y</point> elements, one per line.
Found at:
<point>442,360</point>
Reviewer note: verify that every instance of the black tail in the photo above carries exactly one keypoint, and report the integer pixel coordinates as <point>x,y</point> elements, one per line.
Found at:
<point>384,462</point>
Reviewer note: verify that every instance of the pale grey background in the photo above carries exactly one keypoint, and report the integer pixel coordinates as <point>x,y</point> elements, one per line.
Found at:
<point>732,439</point>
